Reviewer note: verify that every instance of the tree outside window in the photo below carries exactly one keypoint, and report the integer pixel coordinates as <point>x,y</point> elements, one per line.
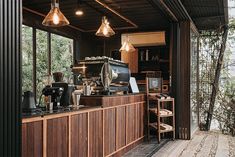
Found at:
<point>61,57</point>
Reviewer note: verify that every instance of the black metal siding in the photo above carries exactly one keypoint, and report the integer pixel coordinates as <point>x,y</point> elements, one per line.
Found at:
<point>10,78</point>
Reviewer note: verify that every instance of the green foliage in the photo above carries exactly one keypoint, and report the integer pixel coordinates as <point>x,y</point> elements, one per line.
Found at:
<point>61,58</point>
<point>224,111</point>
<point>61,54</point>
<point>27,58</point>
<point>42,60</point>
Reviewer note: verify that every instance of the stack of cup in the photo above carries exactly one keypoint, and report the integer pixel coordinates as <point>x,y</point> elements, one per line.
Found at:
<point>76,97</point>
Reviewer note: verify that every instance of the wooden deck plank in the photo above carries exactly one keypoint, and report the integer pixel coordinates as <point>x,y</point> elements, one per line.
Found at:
<point>223,147</point>
<point>203,144</point>
<point>179,148</point>
<point>231,143</point>
<point>194,145</point>
<point>209,146</point>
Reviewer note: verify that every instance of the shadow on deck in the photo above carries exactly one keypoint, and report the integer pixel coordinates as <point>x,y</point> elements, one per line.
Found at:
<point>203,144</point>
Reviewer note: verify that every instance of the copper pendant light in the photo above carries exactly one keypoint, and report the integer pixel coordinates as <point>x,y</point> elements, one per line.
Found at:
<point>55,17</point>
<point>105,30</point>
<point>127,46</point>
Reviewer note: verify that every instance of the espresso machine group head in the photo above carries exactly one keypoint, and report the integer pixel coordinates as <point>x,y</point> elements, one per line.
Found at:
<point>55,93</point>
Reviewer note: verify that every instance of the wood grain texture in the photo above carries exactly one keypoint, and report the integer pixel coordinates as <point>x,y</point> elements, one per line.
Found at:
<point>204,143</point>
<point>57,137</point>
<point>132,59</point>
<point>137,121</point>
<point>79,135</point>
<point>90,132</point>
<point>121,127</point>
<point>32,139</point>
<point>109,131</point>
<point>130,123</point>
<point>111,101</point>
<point>183,101</point>
<point>95,134</point>
<point>142,120</point>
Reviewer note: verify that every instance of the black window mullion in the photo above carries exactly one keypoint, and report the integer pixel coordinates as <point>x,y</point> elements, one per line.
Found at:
<point>34,61</point>
<point>49,52</point>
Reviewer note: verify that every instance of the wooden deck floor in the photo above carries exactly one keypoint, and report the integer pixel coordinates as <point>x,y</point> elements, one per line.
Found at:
<point>203,144</point>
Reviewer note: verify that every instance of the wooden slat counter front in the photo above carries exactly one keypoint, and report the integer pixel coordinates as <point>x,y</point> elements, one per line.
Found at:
<point>91,132</point>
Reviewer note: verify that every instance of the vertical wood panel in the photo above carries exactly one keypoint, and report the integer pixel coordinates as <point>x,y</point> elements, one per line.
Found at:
<point>10,80</point>
<point>130,116</point>
<point>95,134</point>
<point>79,135</point>
<point>183,82</point>
<point>32,142</point>
<point>57,137</point>
<point>142,112</point>
<point>109,131</point>
<point>121,127</point>
<point>137,121</point>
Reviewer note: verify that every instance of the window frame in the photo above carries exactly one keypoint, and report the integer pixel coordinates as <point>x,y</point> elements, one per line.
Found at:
<point>34,52</point>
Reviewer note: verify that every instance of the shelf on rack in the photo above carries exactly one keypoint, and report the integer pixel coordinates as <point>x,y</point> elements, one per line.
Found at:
<point>161,100</point>
<point>156,96</point>
<point>163,112</point>
<point>163,127</point>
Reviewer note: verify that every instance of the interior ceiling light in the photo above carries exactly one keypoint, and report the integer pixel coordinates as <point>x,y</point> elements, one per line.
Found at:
<point>79,11</point>
<point>105,30</point>
<point>55,17</point>
<point>127,46</point>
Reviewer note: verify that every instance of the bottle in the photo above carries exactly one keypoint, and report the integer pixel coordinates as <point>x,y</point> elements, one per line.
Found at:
<point>147,55</point>
<point>141,55</point>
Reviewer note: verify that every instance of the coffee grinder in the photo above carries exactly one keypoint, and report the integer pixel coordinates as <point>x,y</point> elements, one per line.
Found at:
<point>66,97</point>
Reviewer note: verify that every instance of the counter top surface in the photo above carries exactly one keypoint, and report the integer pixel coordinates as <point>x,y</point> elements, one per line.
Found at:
<point>88,104</point>
<point>40,113</point>
<point>114,95</point>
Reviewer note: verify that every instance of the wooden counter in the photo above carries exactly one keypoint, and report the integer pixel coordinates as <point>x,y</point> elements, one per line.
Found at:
<point>111,100</point>
<point>93,132</point>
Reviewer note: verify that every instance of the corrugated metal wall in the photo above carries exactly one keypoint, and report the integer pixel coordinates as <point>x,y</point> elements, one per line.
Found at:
<point>10,77</point>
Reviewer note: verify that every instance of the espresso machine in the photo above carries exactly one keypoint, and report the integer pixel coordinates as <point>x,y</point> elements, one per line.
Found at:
<point>55,93</point>
<point>105,75</point>
<point>66,97</point>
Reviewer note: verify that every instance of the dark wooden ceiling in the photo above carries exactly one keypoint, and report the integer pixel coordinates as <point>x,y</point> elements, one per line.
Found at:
<point>140,12</point>
<point>146,14</point>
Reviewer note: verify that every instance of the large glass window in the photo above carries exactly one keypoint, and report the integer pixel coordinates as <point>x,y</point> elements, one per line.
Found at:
<point>56,58</point>
<point>42,60</point>
<point>193,81</point>
<point>27,58</point>
<point>61,54</point>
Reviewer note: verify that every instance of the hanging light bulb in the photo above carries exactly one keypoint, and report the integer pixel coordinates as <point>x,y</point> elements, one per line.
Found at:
<point>79,11</point>
<point>55,17</point>
<point>105,30</point>
<point>127,46</point>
